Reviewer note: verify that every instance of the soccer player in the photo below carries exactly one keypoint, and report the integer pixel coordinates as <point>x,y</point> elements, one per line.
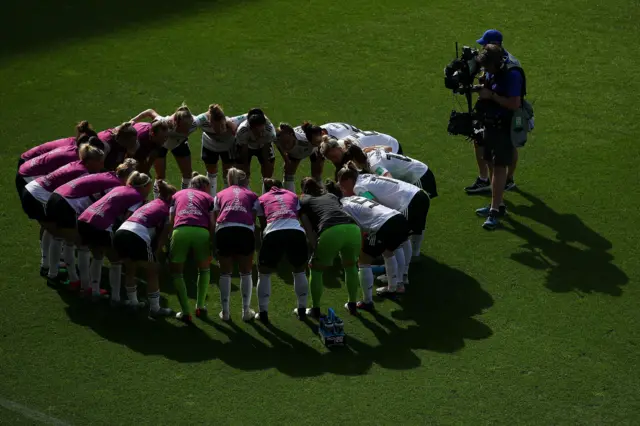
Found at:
<point>138,241</point>
<point>393,193</point>
<point>255,138</point>
<point>37,193</point>
<point>330,231</point>
<point>281,234</point>
<point>333,150</point>
<point>381,162</point>
<point>386,233</point>
<point>218,142</point>
<point>235,215</point>
<point>151,138</point>
<point>193,226</point>
<point>118,143</point>
<point>96,223</point>
<point>83,128</point>
<point>71,200</point>
<point>295,146</point>
<point>180,125</point>
<point>339,130</point>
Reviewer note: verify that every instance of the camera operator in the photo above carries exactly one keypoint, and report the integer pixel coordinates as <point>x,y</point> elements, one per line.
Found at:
<point>499,97</point>
<point>482,183</point>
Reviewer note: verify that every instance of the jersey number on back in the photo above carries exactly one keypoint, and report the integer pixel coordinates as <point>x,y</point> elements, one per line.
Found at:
<point>365,202</point>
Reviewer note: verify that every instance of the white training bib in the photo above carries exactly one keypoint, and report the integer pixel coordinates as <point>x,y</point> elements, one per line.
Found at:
<point>401,167</point>
<point>390,192</point>
<point>340,130</point>
<point>368,214</point>
<point>244,136</point>
<point>218,142</point>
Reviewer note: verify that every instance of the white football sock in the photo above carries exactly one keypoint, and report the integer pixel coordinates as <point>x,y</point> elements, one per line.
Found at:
<point>154,301</point>
<point>399,255</point>
<point>70,260</point>
<point>416,243</point>
<point>225,292</point>
<point>264,291</point>
<point>213,179</point>
<point>408,250</point>
<point>301,287</point>
<point>156,190</point>
<point>185,183</point>
<point>84,264</point>
<point>115,276</point>
<point>246,287</point>
<point>45,243</point>
<point>132,294</point>
<point>289,183</point>
<point>391,266</point>
<point>54,256</point>
<point>96,276</point>
<point>366,283</point>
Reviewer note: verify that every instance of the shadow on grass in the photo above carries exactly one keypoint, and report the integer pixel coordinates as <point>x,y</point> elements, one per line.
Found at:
<point>38,25</point>
<point>569,267</point>
<point>440,307</point>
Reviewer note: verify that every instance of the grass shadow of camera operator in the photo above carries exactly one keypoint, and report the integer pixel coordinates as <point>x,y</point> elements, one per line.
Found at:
<point>568,266</point>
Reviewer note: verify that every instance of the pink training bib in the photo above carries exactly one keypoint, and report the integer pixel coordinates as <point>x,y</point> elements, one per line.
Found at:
<point>48,146</point>
<point>152,214</point>
<point>103,213</point>
<point>62,175</point>
<point>236,204</point>
<point>279,204</point>
<point>48,162</point>
<point>88,185</point>
<point>192,208</point>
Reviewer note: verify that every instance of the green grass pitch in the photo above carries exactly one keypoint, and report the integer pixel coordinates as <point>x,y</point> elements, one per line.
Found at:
<point>536,323</point>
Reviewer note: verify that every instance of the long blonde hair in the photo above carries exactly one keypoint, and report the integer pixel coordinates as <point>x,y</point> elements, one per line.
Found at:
<point>124,170</point>
<point>237,177</point>
<point>199,181</point>
<point>138,180</point>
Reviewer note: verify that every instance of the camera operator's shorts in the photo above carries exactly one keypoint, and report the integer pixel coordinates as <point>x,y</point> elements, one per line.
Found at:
<point>498,148</point>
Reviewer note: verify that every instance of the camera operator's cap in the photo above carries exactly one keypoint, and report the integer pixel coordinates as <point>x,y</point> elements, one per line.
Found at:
<point>490,36</point>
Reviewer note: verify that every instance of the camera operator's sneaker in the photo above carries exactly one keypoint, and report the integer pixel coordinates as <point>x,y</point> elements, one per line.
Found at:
<point>485,211</point>
<point>480,185</point>
<point>510,185</point>
<point>492,221</point>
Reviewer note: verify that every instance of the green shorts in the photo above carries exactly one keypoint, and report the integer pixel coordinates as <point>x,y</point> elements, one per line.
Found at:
<point>345,240</point>
<point>186,238</point>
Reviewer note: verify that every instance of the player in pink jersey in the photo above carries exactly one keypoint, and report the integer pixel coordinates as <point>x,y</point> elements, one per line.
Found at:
<point>151,137</point>
<point>96,223</point>
<point>138,240</point>
<point>83,128</point>
<point>36,194</point>
<point>73,198</point>
<point>193,227</point>
<point>281,234</point>
<point>235,214</point>
<point>180,126</point>
<point>119,143</point>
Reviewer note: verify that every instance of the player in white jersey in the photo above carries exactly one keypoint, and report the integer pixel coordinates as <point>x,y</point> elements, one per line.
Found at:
<point>296,144</point>
<point>385,232</point>
<point>218,142</point>
<point>334,150</point>
<point>393,193</point>
<point>180,125</point>
<point>381,162</point>
<point>255,138</point>
<point>339,130</point>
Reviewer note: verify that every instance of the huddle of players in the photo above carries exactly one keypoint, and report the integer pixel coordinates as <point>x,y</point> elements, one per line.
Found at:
<point>62,184</point>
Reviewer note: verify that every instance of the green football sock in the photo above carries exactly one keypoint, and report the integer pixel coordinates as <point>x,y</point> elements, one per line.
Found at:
<point>316,285</point>
<point>203,286</point>
<point>353,282</point>
<point>181,289</point>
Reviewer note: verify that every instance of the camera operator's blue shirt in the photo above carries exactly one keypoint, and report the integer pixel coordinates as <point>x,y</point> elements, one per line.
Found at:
<point>507,84</point>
